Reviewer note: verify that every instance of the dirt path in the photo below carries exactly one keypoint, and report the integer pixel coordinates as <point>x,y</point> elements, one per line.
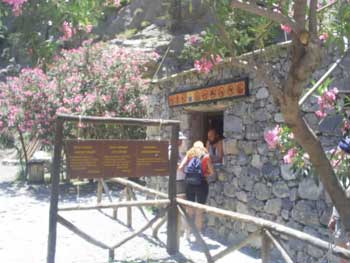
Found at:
<point>24,225</point>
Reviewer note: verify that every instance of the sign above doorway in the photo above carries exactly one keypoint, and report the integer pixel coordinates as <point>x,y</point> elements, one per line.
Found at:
<point>233,89</point>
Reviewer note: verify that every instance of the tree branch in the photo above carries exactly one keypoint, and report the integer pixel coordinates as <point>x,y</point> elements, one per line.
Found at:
<point>300,13</point>
<point>313,19</point>
<point>264,12</point>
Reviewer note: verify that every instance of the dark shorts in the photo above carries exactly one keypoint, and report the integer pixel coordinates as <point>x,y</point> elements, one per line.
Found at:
<point>180,187</point>
<point>197,193</point>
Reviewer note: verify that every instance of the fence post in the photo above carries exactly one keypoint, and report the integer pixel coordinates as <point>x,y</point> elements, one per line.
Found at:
<point>172,229</point>
<point>128,209</point>
<point>55,179</point>
<point>265,248</point>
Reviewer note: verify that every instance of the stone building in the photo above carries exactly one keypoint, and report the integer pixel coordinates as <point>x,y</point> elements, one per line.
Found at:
<point>253,179</point>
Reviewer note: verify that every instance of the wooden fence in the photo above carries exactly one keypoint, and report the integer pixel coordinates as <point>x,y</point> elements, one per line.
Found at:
<point>268,232</point>
<point>170,206</point>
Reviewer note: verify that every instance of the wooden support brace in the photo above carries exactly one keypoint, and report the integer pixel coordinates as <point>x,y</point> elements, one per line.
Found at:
<point>81,233</point>
<point>196,234</point>
<point>158,225</point>
<point>148,225</point>
<point>133,196</point>
<point>238,246</point>
<point>279,247</point>
<point>115,211</point>
<point>106,189</point>
<point>138,187</point>
<point>116,205</point>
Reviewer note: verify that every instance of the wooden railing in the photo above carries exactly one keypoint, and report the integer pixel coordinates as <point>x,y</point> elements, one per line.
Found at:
<point>170,206</point>
<point>269,232</point>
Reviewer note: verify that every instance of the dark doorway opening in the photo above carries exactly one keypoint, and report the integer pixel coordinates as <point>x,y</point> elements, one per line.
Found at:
<point>201,122</point>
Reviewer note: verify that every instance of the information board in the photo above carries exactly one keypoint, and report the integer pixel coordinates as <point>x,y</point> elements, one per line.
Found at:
<point>87,159</point>
<point>237,88</point>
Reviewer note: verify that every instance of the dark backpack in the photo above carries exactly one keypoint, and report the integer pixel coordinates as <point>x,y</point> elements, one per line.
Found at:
<point>344,144</point>
<point>194,172</point>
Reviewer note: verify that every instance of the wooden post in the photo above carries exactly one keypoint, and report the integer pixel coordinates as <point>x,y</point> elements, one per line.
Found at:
<point>111,255</point>
<point>55,179</point>
<point>265,248</point>
<point>99,192</point>
<point>172,229</point>
<point>128,209</point>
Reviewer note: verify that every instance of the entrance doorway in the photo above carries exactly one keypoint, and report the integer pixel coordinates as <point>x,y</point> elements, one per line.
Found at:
<point>201,122</point>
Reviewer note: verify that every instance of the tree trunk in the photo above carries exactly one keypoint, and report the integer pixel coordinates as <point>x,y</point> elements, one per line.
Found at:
<point>311,144</point>
<point>21,139</point>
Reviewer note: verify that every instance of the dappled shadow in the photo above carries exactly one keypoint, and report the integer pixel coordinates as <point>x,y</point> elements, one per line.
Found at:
<point>198,247</point>
<point>41,192</point>
<point>179,258</point>
<point>18,188</point>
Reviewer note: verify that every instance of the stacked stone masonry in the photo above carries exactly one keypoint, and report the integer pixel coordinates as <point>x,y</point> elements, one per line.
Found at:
<point>254,179</point>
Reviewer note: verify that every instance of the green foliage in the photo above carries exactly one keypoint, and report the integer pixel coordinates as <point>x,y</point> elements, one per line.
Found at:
<point>236,32</point>
<point>336,23</point>
<point>323,87</point>
<point>37,32</point>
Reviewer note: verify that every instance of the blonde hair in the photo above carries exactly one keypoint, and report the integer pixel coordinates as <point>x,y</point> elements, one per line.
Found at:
<point>197,150</point>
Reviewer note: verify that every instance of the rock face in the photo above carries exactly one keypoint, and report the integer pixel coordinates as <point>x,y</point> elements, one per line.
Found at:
<point>262,191</point>
<point>254,179</point>
<point>309,190</point>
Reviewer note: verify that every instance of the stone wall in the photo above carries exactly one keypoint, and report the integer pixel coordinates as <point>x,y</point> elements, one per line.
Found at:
<point>254,179</point>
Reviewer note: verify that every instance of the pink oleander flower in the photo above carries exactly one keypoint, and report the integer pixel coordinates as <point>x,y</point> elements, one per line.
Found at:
<point>286,28</point>
<point>326,101</point>
<point>272,137</point>
<point>321,114</point>
<point>288,158</point>
<point>88,28</point>
<point>193,40</point>
<point>324,36</point>
<point>205,65</point>
<point>117,3</point>
<point>16,5</point>
<point>67,30</point>
<point>276,10</point>
<point>346,126</point>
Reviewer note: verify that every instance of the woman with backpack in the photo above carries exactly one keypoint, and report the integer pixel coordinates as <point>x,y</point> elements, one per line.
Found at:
<point>197,166</point>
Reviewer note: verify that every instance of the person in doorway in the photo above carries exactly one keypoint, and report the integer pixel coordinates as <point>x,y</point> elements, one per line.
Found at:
<point>197,162</point>
<point>215,147</point>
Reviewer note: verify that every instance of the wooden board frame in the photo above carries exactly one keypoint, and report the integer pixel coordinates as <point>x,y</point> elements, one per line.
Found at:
<point>172,242</point>
<point>94,159</point>
<point>186,95</point>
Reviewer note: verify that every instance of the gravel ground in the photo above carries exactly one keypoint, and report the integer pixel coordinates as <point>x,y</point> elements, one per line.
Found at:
<point>24,226</point>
